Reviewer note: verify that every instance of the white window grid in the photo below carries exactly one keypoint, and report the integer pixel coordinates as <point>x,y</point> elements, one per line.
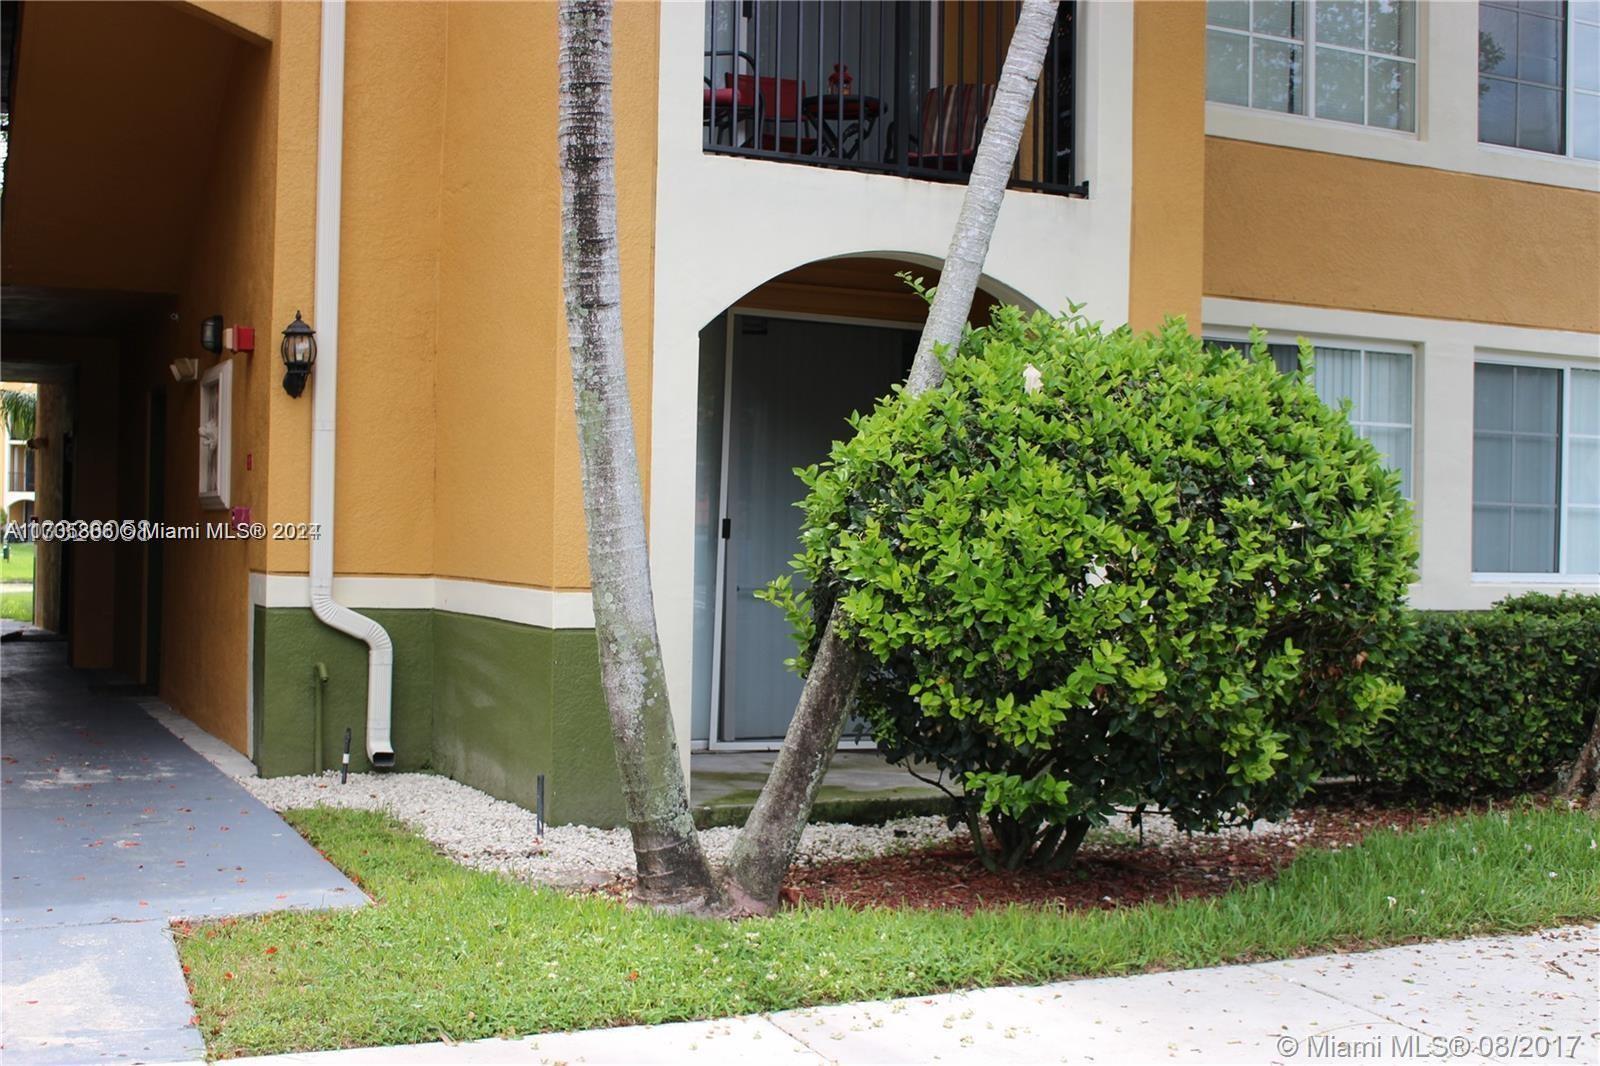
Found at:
<point>1308,45</point>
<point>1562,572</point>
<point>1573,17</point>
<point>1568,494</point>
<point>1361,402</point>
<point>1577,15</point>
<point>1362,426</point>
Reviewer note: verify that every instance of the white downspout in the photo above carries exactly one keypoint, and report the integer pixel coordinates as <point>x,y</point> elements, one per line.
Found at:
<point>325,393</point>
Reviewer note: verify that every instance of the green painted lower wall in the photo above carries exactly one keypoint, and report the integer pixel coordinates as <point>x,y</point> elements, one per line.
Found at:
<point>586,759</point>
<point>513,701</point>
<point>289,642</point>
<point>490,703</point>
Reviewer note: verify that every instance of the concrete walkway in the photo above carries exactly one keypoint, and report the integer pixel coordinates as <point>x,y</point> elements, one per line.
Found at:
<point>1397,1005</point>
<point>111,828</point>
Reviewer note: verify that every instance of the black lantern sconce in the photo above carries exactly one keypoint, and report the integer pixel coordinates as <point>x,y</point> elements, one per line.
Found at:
<point>299,351</point>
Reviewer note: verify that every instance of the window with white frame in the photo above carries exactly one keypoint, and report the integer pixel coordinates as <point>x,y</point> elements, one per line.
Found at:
<point>1345,60</point>
<point>1376,381</point>
<point>216,435</point>
<point>1539,76</point>
<point>1535,469</point>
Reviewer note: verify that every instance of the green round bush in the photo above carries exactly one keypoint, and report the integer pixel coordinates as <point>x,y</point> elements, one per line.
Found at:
<point>1097,570</point>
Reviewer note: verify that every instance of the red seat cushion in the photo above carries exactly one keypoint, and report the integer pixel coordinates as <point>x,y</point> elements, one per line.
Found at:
<point>723,99</point>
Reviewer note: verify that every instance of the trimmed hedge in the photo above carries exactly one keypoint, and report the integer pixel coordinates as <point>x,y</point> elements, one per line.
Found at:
<point>1495,702</point>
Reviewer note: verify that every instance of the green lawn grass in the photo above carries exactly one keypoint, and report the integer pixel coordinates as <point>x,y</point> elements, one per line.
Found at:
<point>20,566</point>
<point>447,952</point>
<point>17,606</point>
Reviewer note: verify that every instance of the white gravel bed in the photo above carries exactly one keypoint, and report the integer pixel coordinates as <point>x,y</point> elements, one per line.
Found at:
<point>484,833</point>
<point>1159,830</point>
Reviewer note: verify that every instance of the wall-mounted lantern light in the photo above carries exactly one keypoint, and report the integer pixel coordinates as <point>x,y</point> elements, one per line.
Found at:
<point>299,353</point>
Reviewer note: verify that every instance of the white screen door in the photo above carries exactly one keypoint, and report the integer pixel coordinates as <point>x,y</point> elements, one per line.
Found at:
<point>792,383</point>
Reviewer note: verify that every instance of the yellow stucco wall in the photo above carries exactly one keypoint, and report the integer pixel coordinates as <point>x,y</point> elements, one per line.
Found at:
<point>1167,248</point>
<point>205,644</point>
<point>494,396</point>
<point>286,461</point>
<point>507,492</point>
<point>389,287</point>
<point>254,20</point>
<point>1290,226</point>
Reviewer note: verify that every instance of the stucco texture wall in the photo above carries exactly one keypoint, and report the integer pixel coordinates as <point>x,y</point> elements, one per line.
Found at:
<point>508,503</point>
<point>289,644</point>
<point>205,601</point>
<point>1167,231</point>
<point>490,703</point>
<point>389,285</point>
<point>1284,225</point>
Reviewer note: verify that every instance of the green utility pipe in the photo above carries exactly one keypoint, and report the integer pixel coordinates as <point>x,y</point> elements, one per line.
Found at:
<point>321,673</point>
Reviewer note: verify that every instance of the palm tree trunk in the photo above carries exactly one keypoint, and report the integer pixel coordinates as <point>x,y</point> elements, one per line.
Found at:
<point>766,846</point>
<point>672,871</point>
<point>1582,786</point>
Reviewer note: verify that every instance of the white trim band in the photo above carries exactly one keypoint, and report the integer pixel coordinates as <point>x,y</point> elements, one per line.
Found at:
<point>545,608</point>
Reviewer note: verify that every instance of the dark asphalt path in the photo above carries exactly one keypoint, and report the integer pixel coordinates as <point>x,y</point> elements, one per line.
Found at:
<point>111,827</point>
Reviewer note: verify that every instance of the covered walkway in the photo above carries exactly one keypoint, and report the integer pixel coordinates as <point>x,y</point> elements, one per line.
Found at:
<point>111,828</point>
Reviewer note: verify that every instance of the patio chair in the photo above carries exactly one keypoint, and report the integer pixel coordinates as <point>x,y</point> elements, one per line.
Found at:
<point>953,117</point>
<point>777,104</point>
<point>723,106</point>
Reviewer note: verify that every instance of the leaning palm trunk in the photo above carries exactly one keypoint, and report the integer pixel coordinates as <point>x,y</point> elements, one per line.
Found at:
<point>672,871</point>
<point>766,847</point>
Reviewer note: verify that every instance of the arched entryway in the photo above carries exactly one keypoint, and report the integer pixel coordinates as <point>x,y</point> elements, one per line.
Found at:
<point>781,371</point>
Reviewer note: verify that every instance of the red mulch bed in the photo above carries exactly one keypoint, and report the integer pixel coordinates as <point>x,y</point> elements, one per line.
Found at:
<point>1101,876</point>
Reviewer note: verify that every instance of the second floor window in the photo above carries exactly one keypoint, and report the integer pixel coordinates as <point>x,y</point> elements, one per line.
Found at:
<point>1539,76</point>
<point>1346,60</point>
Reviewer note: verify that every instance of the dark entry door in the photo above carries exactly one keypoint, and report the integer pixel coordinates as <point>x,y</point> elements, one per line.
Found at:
<point>792,384</point>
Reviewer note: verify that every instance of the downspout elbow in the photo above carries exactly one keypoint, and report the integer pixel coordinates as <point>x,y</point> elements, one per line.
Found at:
<point>380,669</point>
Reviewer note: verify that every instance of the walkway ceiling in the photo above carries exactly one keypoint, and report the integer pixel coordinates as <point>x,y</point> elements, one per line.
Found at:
<point>112,132</point>
<point>82,312</point>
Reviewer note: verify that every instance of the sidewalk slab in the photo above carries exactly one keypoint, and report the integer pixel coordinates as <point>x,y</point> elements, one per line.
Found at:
<point>751,1040</point>
<point>96,993</point>
<point>1463,988</point>
<point>1223,1015</point>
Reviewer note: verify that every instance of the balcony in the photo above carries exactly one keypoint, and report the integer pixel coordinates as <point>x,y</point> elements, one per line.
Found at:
<point>19,471</point>
<point>882,86</point>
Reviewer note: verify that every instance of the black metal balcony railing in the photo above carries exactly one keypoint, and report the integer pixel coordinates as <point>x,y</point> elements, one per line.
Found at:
<point>890,86</point>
